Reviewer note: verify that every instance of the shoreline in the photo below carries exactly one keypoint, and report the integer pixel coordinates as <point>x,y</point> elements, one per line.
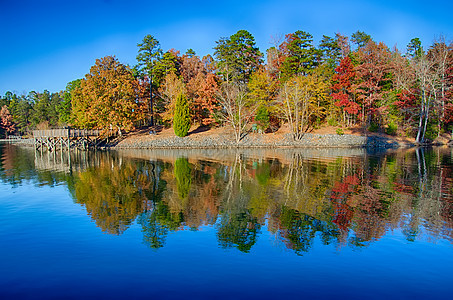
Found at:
<point>251,141</point>
<point>310,140</point>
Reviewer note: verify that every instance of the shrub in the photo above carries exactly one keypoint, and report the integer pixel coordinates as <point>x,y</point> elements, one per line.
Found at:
<point>373,127</point>
<point>262,117</point>
<point>391,128</point>
<point>181,118</point>
<point>340,131</point>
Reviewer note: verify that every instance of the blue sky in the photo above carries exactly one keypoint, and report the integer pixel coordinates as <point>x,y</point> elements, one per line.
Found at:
<point>46,44</point>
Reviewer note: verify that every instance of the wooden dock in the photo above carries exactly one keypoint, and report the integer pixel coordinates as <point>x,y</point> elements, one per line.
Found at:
<point>60,139</point>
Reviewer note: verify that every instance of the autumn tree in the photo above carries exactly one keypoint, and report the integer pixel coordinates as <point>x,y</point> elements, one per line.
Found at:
<point>6,122</point>
<point>372,74</point>
<point>238,56</point>
<point>204,90</point>
<point>343,91</point>
<point>237,111</point>
<point>441,56</point>
<point>299,100</point>
<point>263,90</point>
<point>172,86</point>
<point>109,97</point>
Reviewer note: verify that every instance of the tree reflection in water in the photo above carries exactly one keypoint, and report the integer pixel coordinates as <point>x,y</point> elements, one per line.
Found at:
<point>344,201</point>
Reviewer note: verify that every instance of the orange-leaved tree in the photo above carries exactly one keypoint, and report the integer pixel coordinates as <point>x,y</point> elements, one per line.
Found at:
<point>109,97</point>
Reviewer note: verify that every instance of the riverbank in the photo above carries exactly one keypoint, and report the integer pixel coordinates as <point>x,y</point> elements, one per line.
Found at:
<point>224,138</point>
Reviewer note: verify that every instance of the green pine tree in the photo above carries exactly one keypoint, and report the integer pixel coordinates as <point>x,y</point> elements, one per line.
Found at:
<point>181,119</point>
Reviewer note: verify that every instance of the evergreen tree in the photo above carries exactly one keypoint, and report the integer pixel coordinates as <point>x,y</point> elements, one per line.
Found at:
<point>238,56</point>
<point>181,120</point>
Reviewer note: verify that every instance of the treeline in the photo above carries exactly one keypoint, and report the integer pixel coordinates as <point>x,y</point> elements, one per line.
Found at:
<point>344,81</point>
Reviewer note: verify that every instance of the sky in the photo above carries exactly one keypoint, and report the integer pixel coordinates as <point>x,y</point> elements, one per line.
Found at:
<point>45,44</point>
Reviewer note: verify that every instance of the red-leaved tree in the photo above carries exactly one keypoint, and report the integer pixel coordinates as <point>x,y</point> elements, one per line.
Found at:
<point>343,90</point>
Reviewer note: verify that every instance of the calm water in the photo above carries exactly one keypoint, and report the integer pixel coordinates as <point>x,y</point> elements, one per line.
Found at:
<point>261,224</point>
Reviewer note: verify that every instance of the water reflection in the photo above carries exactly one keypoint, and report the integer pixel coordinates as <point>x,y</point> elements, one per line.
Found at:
<point>295,195</point>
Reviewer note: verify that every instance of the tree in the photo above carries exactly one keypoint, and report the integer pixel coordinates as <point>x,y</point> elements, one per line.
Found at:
<point>149,50</point>
<point>442,57</point>
<point>109,97</point>
<point>299,100</point>
<point>342,88</point>
<point>331,51</point>
<point>262,90</point>
<point>181,120</point>
<point>414,48</point>
<point>372,73</point>
<point>191,66</point>
<point>65,107</point>
<point>262,87</point>
<point>203,90</point>
<point>20,108</point>
<point>237,110</point>
<point>6,120</point>
<point>168,63</point>
<point>171,87</point>
<point>298,54</point>
<point>360,38</point>
<point>238,57</point>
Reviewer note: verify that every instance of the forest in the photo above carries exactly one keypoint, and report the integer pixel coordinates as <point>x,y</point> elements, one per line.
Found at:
<point>345,82</point>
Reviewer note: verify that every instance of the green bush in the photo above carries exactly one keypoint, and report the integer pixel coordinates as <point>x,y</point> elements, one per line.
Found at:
<point>340,131</point>
<point>391,128</point>
<point>373,127</point>
<point>181,118</point>
<point>262,117</point>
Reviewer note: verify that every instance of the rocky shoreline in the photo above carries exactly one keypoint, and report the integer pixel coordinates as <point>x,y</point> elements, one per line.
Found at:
<point>260,141</point>
<point>250,141</point>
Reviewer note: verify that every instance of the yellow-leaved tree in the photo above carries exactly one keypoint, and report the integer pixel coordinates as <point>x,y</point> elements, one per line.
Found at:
<point>110,97</point>
<point>299,101</point>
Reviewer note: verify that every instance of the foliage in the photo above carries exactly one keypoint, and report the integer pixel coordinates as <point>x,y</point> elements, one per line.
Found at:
<point>339,131</point>
<point>391,128</point>
<point>343,91</point>
<point>149,50</point>
<point>109,97</point>
<point>369,83</point>
<point>65,107</point>
<point>181,121</point>
<point>170,89</point>
<point>237,110</point>
<point>238,57</point>
<point>299,100</point>
<point>360,38</point>
<point>298,54</point>
<point>262,117</point>
<point>6,123</point>
<point>204,90</point>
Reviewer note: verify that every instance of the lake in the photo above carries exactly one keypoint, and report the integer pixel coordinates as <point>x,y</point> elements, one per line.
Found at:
<point>228,224</point>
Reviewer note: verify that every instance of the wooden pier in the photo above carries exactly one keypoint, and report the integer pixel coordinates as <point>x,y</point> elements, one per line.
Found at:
<point>61,139</point>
